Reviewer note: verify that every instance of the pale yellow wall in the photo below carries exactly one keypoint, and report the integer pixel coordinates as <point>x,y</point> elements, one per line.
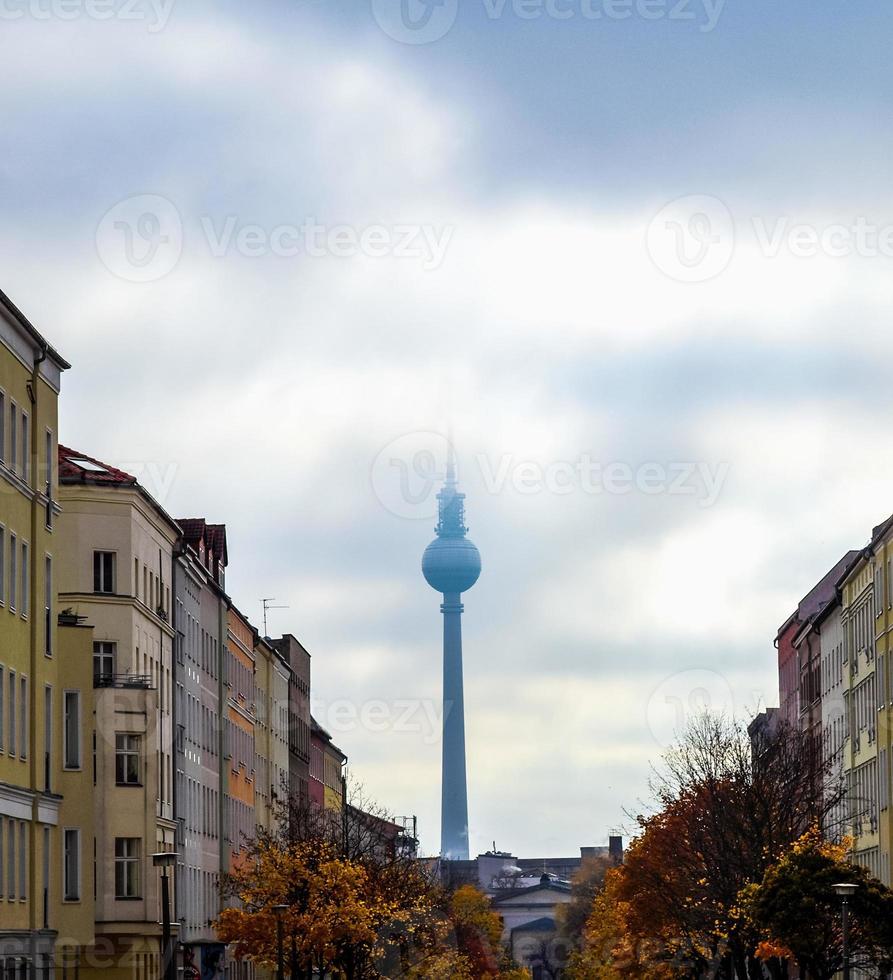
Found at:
<point>24,513</point>
<point>861,747</point>
<point>74,920</point>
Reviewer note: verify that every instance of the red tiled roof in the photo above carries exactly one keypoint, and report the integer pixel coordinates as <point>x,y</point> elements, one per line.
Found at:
<point>197,529</point>
<point>75,467</point>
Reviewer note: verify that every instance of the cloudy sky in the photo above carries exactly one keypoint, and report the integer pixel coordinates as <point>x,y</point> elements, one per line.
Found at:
<point>634,255</point>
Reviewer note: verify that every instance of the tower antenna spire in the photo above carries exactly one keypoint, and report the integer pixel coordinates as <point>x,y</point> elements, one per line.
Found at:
<point>451,565</point>
<point>451,460</point>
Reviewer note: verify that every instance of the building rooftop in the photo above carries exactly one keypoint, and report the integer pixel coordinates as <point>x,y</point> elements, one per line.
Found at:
<point>75,467</point>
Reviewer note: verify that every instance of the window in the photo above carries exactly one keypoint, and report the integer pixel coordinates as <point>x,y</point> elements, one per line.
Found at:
<point>10,859</point>
<point>26,450</point>
<point>127,760</point>
<point>48,606</point>
<point>23,860</point>
<point>12,573</point>
<point>2,697</point>
<point>23,717</point>
<point>2,458</point>
<point>103,663</point>
<point>47,736</point>
<point>13,436</point>
<point>2,562</point>
<point>71,865</point>
<point>71,731</point>
<point>104,571</point>
<point>127,867</point>
<point>48,457</point>
<point>12,710</point>
<point>26,581</point>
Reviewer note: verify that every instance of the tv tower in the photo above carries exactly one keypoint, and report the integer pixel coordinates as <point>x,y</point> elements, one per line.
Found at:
<point>451,565</point>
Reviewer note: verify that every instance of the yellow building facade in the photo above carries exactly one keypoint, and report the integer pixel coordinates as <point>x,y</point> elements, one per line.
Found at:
<point>860,696</point>
<point>882,571</point>
<point>44,829</point>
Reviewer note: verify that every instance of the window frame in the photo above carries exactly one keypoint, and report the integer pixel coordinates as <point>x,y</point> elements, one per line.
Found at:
<point>123,755</point>
<point>99,572</point>
<point>66,745</point>
<point>125,862</point>
<point>70,895</point>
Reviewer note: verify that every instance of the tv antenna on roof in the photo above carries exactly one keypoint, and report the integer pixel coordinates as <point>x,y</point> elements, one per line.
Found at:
<point>268,604</point>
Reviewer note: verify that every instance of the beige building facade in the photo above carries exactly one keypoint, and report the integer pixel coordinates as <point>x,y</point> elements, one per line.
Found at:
<point>115,573</point>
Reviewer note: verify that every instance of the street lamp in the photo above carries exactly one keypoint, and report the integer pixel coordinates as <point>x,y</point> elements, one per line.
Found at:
<point>165,860</point>
<point>845,891</point>
<point>280,966</point>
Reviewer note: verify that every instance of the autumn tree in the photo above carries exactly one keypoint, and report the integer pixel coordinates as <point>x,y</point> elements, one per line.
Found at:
<point>797,914</point>
<point>727,809</point>
<point>571,917</point>
<point>478,931</point>
<point>357,905</point>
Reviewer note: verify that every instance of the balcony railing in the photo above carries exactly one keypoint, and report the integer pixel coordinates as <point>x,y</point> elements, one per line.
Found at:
<point>143,681</point>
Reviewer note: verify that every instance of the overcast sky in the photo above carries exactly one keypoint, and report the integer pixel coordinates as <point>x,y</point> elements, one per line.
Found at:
<point>290,246</point>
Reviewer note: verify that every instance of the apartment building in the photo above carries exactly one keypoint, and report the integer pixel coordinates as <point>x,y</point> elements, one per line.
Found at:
<point>858,609</point>
<point>40,828</point>
<point>239,764</point>
<point>115,571</point>
<point>200,620</point>
<point>298,659</point>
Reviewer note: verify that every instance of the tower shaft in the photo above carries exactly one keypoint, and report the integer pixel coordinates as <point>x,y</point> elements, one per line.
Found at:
<point>454,798</point>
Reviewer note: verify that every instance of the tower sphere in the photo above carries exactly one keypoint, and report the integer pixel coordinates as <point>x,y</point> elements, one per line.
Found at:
<point>451,564</point>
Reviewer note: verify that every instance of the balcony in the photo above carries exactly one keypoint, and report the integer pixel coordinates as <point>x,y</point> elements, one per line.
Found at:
<point>139,681</point>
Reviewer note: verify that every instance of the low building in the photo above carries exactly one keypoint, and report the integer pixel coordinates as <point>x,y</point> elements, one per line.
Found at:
<point>498,871</point>
<point>529,920</point>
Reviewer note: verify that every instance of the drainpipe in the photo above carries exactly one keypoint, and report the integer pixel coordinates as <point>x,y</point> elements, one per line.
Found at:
<point>35,686</point>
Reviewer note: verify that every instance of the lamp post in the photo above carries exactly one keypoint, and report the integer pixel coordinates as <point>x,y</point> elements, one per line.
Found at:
<point>844,890</point>
<point>280,967</point>
<point>165,860</point>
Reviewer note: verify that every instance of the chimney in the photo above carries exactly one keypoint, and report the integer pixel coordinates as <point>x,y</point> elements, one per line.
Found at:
<point>615,848</point>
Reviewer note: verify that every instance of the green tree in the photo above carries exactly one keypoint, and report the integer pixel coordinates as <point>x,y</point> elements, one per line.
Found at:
<point>798,915</point>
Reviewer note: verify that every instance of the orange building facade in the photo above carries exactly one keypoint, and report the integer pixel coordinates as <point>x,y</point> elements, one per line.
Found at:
<point>239,765</point>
